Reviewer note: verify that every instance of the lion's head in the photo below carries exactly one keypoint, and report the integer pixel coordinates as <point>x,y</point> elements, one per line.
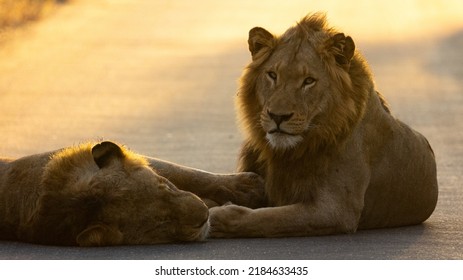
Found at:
<point>103,194</point>
<point>306,86</point>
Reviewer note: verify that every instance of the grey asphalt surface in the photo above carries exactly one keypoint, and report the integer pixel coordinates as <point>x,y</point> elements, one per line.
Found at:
<point>161,78</point>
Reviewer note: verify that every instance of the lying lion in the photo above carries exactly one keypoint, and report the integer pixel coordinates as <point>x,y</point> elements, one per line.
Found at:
<point>103,194</point>
<point>333,158</point>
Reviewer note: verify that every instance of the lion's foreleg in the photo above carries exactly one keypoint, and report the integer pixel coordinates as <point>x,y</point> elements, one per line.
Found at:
<point>240,188</point>
<point>291,220</point>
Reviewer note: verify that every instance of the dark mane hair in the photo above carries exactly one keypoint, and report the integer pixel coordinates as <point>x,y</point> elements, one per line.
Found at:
<point>350,88</point>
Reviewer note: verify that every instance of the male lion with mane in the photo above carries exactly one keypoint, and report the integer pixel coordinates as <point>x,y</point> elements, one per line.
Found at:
<point>333,158</point>
<point>99,194</point>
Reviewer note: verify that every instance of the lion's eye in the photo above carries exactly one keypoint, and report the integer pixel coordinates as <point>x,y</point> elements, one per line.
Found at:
<point>272,75</point>
<point>309,81</point>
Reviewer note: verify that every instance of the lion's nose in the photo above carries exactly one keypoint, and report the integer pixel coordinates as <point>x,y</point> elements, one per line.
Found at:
<point>279,118</point>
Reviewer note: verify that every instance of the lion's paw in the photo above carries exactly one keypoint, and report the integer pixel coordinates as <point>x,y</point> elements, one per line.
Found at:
<point>247,189</point>
<point>225,221</point>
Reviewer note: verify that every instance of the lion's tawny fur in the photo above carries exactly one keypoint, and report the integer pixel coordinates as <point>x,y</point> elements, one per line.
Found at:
<point>333,157</point>
<point>95,194</point>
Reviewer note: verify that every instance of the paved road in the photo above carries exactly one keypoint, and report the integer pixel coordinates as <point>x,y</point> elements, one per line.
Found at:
<point>161,78</point>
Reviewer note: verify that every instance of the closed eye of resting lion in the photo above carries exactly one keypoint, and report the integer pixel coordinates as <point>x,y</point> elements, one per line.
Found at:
<point>102,194</point>
<point>333,158</point>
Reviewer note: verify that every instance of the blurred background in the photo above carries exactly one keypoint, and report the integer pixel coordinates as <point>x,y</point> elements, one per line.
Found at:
<point>14,13</point>
<point>161,77</point>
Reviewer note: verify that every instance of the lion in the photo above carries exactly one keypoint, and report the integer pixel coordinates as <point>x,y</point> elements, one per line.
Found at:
<point>333,157</point>
<point>101,194</point>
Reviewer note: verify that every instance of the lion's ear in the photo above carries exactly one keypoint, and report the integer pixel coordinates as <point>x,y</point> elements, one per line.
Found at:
<point>105,152</point>
<point>342,48</point>
<point>260,40</point>
<point>99,235</point>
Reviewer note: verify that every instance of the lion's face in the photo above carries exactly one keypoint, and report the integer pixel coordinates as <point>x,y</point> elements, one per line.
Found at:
<point>149,209</point>
<point>106,195</point>
<point>300,83</point>
<point>292,89</point>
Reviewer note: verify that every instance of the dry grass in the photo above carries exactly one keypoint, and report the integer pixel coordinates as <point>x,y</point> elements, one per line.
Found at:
<point>14,13</point>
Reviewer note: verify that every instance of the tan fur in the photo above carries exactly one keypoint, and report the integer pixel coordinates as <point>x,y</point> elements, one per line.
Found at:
<point>333,158</point>
<point>95,195</point>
